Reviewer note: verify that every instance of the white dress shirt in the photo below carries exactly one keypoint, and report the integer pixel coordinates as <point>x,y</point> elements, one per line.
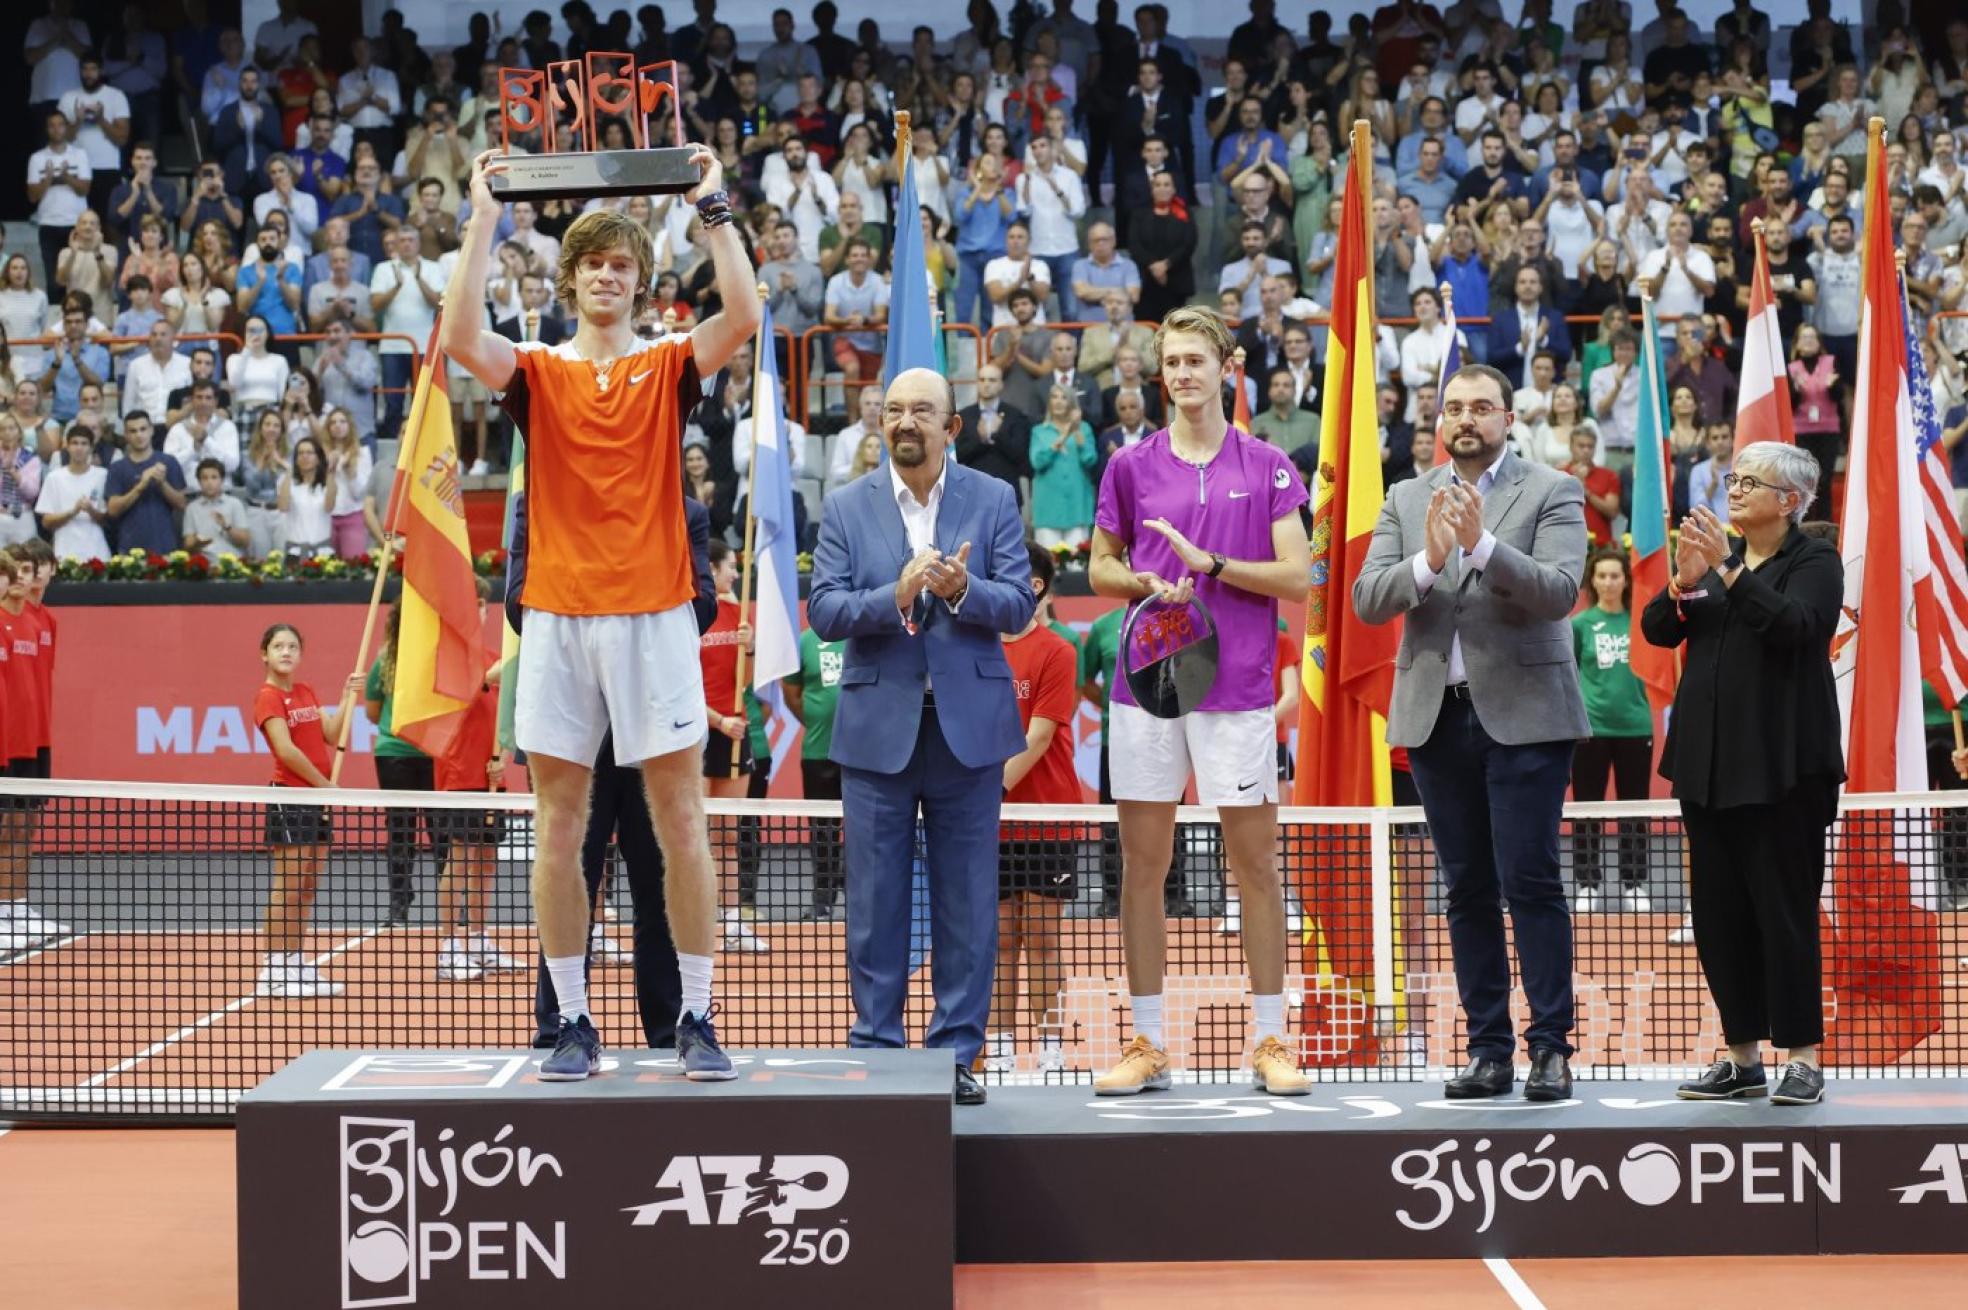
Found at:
<point>1478,559</point>
<point>148,384</point>
<point>919,522</point>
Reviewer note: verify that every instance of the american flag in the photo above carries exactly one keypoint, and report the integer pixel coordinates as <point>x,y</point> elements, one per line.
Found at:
<point>1945,662</point>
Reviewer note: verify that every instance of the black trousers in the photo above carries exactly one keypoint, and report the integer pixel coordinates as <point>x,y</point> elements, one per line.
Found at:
<point>618,810</point>
<point>820,780</point>
<point>1628,761</point>
<point>1754,876</point>
<point>408,773</point>
<point>1493,811</point>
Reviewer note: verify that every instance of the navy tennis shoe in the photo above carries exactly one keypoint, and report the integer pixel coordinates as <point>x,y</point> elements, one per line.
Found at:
<point>575,1056</point>
<point>698,1052</point>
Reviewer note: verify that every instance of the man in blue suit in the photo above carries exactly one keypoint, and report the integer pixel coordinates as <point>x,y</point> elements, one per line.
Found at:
<point>921,567</point>
<point>1518,331</point>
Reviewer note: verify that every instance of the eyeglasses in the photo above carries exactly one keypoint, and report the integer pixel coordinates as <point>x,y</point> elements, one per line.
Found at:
<point>1746,483</point>
<point>923,412</point>
<point>1479,410</point>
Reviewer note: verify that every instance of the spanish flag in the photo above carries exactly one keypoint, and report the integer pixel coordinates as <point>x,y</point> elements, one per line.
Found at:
<point>1348,670</point>
<point>440,659</point>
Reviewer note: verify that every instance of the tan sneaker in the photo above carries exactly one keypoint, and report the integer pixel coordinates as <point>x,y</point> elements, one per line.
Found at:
<point>1276,1070</point>
<point>1144,1067</point>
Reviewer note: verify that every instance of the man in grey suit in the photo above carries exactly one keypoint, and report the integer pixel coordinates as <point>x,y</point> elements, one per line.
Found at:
<point>1484,557</point>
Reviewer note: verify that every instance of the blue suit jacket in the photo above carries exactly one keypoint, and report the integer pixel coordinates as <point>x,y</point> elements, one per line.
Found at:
<point>861,553</point>
<point>1506,341</point>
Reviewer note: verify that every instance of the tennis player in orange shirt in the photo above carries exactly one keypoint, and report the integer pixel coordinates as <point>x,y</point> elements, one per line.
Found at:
<point>611,640</point>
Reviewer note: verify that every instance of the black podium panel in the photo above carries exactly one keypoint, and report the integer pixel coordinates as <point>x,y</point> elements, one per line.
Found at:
<point>452,1178</point>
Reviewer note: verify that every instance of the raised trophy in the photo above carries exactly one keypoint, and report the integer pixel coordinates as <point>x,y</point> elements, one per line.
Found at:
<point>555,117</point>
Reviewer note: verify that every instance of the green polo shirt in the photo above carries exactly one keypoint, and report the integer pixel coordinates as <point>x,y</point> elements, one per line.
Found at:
<point>1615,702</point>
<point>1099,656</point>
<point>818,678</point>
<point>388,744</point>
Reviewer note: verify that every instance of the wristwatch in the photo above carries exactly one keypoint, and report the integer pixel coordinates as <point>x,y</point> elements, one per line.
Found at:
<point>1731,562</point>
<point>1216,564</point>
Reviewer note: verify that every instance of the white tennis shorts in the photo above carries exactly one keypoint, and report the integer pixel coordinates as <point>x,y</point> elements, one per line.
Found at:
<point>580,675</point>
<point>1233,753</point>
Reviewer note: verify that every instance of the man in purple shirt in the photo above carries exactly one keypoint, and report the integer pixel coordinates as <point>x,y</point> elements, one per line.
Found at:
<point>1202,509</point>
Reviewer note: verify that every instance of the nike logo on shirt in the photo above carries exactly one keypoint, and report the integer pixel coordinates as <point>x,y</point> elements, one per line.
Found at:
<point>1239,495</point>
<point>640,376</point>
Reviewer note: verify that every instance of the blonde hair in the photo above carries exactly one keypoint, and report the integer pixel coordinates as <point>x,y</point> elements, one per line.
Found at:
<point>596,233</point>
<point>1205,323</point>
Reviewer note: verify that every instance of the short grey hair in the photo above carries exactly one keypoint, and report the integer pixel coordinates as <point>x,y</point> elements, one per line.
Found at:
<point>1789,468</point>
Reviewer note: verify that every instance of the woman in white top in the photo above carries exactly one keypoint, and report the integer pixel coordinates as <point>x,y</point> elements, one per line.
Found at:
<point>88,265</point>
<point>861,171</point>
<point>1615,86</point>
<point>257,376</point>
<point>195,306</point>
<point>1551,437</point>
<point>1845,115</point>
<point>306,497</point>
<point>300,408</point>
<point>23,314</point>
<point>1423,349</point>
<point>349,466</point>
<point>20,484</point>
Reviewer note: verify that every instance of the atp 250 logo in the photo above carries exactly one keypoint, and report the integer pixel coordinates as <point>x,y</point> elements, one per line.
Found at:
<point>770,1191</point>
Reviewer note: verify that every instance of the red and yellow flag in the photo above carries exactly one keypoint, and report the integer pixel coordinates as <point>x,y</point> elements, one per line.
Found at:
<point>1348,670</point>
<point>440,646</point>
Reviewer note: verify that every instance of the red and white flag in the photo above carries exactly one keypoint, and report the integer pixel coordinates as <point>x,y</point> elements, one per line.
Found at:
<point>1884,956</point>
<point>1763,396</point>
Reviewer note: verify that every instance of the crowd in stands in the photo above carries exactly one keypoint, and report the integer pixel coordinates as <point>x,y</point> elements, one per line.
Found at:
<point>209,358</point>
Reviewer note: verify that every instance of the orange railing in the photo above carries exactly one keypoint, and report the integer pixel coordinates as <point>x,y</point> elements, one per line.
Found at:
<point>808,375</point>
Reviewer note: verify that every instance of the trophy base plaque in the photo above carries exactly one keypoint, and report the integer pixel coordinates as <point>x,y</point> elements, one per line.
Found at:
<point>580,175</point>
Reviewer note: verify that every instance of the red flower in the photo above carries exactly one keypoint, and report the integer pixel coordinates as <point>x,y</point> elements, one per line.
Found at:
<point>155,561</point>
<point>97,567</point>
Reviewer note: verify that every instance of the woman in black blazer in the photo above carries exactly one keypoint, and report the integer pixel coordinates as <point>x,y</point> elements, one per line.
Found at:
<point>1163,234</point>
<point>1753,752</point>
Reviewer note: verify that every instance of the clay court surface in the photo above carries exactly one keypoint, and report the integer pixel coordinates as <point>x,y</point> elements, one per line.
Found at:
<point>109,1219</point>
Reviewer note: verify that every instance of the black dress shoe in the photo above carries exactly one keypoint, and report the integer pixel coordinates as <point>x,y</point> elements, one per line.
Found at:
<point>1800,1085</point>
<point>1726,1081</point>
<point>1551,1076</point>
<point>969,1090</point>
<point>1480,1078</point>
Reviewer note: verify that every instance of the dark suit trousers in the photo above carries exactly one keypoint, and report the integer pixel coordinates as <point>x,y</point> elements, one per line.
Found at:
<point>959,807</point>
<point>1754,876</point>
<point>1493,811</point>
<point>618,809</point>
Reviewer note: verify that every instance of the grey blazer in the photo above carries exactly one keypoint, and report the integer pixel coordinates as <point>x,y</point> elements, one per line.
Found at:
<point>1513,617</point>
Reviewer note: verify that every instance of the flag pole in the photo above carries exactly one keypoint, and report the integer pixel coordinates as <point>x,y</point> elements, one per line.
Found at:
<point>751,523</point>
<point>385,556</point>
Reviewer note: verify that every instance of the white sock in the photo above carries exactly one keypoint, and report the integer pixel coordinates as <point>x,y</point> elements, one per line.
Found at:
<point>1268,1015</point>
<point>696,975</point>
<point>1148,1018</point>
<point>570,980</point>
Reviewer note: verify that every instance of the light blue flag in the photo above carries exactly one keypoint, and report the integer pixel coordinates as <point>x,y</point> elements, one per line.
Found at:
<point>911,322</point>
<point>775,548</point>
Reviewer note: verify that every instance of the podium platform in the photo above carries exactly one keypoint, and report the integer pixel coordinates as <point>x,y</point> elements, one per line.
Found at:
<point>1392,1171</point>
<point>452,1178</point>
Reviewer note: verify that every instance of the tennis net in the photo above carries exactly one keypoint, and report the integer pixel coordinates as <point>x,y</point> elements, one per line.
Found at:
<point>134,976</point>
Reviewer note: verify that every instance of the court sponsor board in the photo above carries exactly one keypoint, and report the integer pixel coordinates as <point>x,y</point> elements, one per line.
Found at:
<point>412,1178</point>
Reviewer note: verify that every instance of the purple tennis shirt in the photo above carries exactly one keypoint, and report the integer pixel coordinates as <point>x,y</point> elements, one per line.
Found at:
<point>1227,506</point>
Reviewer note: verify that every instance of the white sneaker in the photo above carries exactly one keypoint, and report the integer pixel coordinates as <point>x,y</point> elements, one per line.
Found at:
<point>491,959</point>
<point>294,983</point>
<point>479,468</point>
<point>1232,921</point>
<point>738,936</point>
<point>1294,919</point>
<point>1634,899</point>
<point>1413,1052</point>
<point>1685,934</point>
<point>1052,1056</point>
<point>1587,901</point>
<point>33,923</point>
<point>458,964</point>
<point>1000,1053</point>
<point>605,954</point>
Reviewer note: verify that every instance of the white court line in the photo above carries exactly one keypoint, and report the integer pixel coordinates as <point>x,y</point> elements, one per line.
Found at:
<point>1514,1286</point>
<point>231,1007</point>
<point>53,943</point>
